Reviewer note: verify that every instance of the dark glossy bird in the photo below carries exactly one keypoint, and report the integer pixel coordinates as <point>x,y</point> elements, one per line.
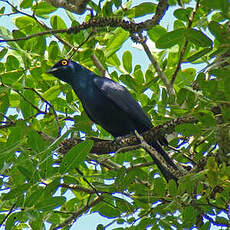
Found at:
<point>110,105</point>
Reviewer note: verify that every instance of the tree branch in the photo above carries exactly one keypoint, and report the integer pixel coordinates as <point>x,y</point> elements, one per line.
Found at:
<point>98,64</point>
<point>160,11</point>
<point>106,146</point>
<point>130,26</point>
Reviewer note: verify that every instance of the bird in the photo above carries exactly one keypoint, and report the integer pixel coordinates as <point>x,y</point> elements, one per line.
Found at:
<point>110,105</point>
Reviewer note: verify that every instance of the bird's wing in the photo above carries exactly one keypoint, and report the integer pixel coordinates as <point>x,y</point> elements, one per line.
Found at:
<point>123,99</point>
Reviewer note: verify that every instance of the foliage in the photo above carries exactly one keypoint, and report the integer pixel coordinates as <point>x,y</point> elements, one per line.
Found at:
<point>35,108</point>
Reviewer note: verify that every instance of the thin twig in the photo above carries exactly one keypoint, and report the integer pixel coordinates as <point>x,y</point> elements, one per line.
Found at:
<point>195,205</point>
<point>161,74</point>
<point>185,46</point>
<point>9,121</point>
<point>39,22</point>
<point>81,44</point>
<point>78,213</point>
<point>98,64</point>
<point>7,125</point>
<point>51,106</point>
<point>81,188</point>
<point>140,165</point>
<point>103,162</point>
<point>10,211</point>
<point>90,185</point>
<point>29,102</point>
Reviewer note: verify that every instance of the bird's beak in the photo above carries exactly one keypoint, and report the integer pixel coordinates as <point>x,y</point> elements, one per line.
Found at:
<point>52,70</point>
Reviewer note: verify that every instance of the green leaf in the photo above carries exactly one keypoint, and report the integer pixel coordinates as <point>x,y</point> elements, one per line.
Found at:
<point>34,197</point>
<point>159,187</point>
<point>19,34</point>
<point>35,141</point>
<point>198,38</point>
<point>106,209</point>
<point>206,117</point>
<point>57,22</point>
<point>206,226</point>
<point>25,24</point>
<point>220,33</point>
<point>181,96</point>
<point>182,14</point>
<point>42,8</point>
<point>2,10</point>
<point>189,216</point>
<point>15,192</point>
<point>120,181</point>
<point>5,33</point>
<point>227,86</point>
<point>26,4</point>
<point>50,203</point>
<point>107,9</point>
<point>75,156</point>
<point>127,61</point>
<point>12,63</point>
<point>198,55</point>
<point>156,32</point>
<point>4,100</point>
<point>13,220</point>
<point>113,60</point>
<point>52,187</point>
<point>139,76</point>
<point>172,186</point>
<point>129,81</point>
<point>141,10</point>
<point>26,107</point>
<point>3,52</point>
<point>26,173</point>
<point>170,39</point>
<point>70,15</point>
<point>52,93</point>
<point>39,46</point>
<point>222,220</point>
<point>53,50</point>
<point>188,129</point>
<point>100,227</point>
<point>14,140</point>
<point>219,5</point>
<point>115,42</point>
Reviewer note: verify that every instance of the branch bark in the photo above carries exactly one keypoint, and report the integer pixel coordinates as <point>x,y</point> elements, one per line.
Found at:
<point>106,146</point>
<point>130,26</point>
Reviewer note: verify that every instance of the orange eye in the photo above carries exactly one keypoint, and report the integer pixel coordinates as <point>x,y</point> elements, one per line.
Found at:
<point>64,62</point>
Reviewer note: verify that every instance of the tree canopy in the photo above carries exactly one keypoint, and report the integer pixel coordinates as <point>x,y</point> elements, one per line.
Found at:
<point>56,165</point>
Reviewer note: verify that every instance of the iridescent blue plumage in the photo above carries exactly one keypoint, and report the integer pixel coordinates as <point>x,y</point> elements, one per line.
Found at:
<point>108,104</point>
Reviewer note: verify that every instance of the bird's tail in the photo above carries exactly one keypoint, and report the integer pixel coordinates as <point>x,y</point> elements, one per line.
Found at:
<point>164,162</point>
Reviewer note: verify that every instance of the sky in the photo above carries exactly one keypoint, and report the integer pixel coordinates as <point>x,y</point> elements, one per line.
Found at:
<point>90,221</point>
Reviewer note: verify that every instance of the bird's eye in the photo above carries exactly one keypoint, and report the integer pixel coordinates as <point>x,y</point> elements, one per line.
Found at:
<point>64,62</point>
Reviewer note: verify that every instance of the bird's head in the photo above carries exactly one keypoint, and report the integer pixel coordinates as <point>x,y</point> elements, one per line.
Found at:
<point>63,70</point>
